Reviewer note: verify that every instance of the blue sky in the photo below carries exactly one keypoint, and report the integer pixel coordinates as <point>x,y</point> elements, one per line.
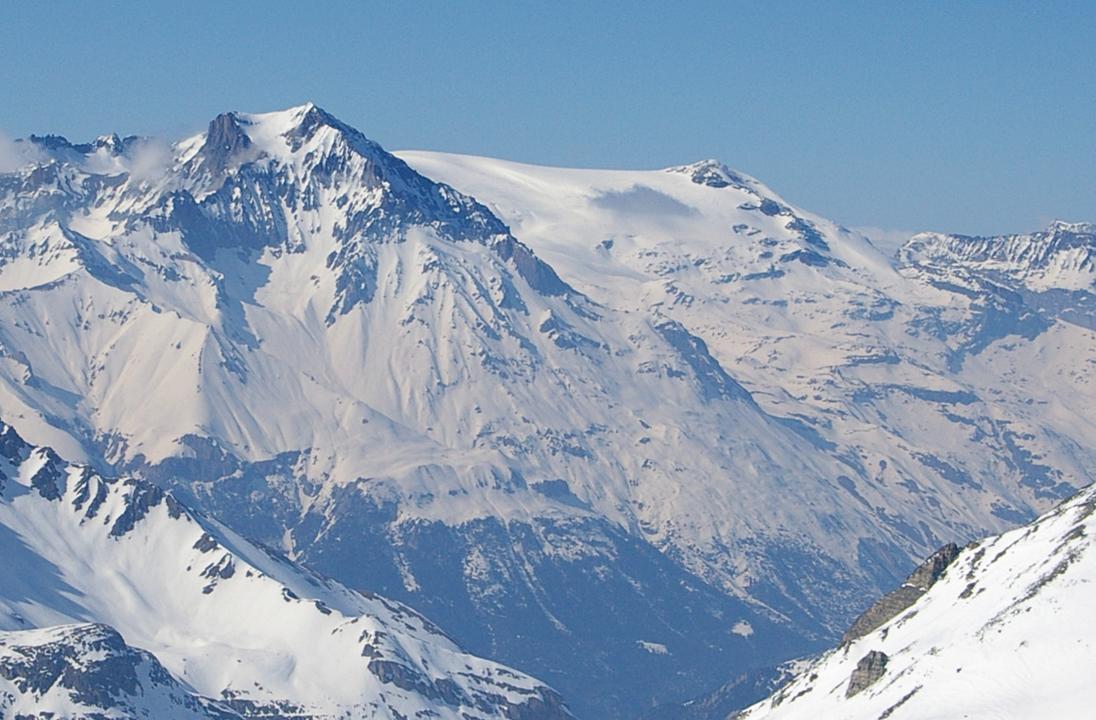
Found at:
<point>969,117</point>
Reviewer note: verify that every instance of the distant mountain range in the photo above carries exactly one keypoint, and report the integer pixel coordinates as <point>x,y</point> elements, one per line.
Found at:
<point>634,433</point>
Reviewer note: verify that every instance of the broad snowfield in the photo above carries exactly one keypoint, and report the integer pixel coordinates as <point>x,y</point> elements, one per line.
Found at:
<point>632,432</point>
<point>1006,633</point>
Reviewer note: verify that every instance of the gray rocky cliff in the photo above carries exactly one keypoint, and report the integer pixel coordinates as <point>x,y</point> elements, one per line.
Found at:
<point>894,602</point>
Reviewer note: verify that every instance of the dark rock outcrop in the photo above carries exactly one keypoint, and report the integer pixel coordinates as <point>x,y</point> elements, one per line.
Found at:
<point>224,139</point>
<point>868,670</point>
<point>544,704</point>
<point>893,603</point>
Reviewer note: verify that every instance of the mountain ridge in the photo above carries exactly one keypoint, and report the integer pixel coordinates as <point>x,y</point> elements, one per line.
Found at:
<point>226,628</point>
<point>657,421</point>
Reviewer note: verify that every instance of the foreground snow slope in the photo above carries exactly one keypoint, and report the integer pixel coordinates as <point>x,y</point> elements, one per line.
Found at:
<point>1005,633</point>
<point>210,612</point>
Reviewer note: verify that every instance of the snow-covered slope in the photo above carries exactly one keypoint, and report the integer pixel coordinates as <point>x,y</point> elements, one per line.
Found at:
<point>693,428</point>
<point>952,380</point>
<point>1006,632</point>
<point>933,377</point>
<point>944,378</point>
<point>214,616</point>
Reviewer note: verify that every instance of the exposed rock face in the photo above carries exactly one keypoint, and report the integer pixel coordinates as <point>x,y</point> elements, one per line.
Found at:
<point>224,139</point>
<point>1061,256</point>
<point>712,173</point>
<point>868,670</point>
<point>891,604</point>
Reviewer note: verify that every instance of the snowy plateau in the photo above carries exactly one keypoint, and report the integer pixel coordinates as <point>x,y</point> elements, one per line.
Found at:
<point>632,433</point>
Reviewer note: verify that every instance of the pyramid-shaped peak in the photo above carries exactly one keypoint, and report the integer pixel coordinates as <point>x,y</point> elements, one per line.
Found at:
<point>273,132</point>
<point>291,121</point>
<point>233,137</point>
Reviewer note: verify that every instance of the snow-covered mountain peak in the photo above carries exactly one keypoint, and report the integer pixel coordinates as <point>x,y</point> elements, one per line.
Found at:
<point>328,175</point>
<point>280,134</point>
<point>715,174</point>
<point>749,414</point>
<point>283,121</point>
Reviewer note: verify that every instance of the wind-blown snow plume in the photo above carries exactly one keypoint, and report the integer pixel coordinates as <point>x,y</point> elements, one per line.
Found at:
<point>15,155</point>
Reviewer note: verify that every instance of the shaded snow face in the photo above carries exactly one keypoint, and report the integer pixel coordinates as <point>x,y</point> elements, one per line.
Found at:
<point>642,200</point>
